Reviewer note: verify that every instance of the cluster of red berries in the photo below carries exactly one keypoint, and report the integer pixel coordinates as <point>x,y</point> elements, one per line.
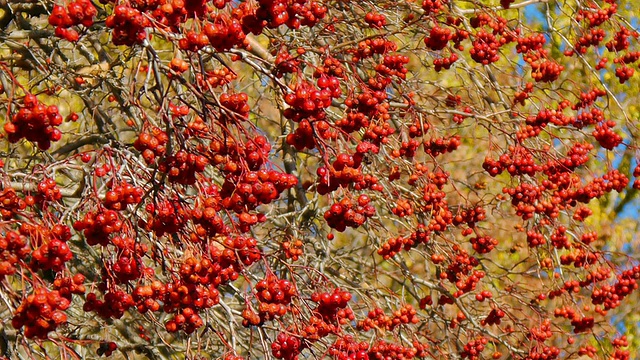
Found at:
<point>347,214</point>
<point>605,136</point>
<point>332,306</point>
<point>438,146</point>
<point>308,133</point>
<point>306,101</point>
<point>586,118</point>
<point>611,296</point>
<point>48,191</point>
<point>444,62</point>
<point>342,172</point>
<point>393,65</point>
<point>116,302</point>
<point>151,144</point>
<point>128,25</point>
<point>97,227</point>
<point>375,20</point>
<point>77,12</point>
<point>485,48</point>
<point>580,324</point>
<point>275,296</point>
<point>232,157</point>
<point>483,244</point>
<point>14,247</point>
<point>51,256</point>
<point>546,71</point>
<point>216,78</point>
<point>205,217</point>
<point>624,73</point>
<point>533,42</point>
<point>403,208</point>
<point>383,350</point>
<point>620,40</point>
<point>187,320</point>
<point>433,6</point>
<point>370,47</point>
<point>67,286</point>
<point>473,349</point>
<point>40,313</point>
<point>494,318</point>
<point>254,188</point>
<point>10,203</point>
<point>35,122</point>
<point>347,348</point>
<point>165,217</point>
<point>395,245</point>
<point>593,38</point>
<point>596,18</point>
<point>182,167</point>
<point>535,239</point>
<point>541,333</point>
<point>544,353</point>
<point>438,38</point>
<point>246,249</point>
<point>236,106</point>
<point>469,216</point>
<point>122,195</point>
<point>287,346</point>
<point>293,249</point>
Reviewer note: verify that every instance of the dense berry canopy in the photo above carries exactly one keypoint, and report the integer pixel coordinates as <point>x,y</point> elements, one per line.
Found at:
<point>319,179</point>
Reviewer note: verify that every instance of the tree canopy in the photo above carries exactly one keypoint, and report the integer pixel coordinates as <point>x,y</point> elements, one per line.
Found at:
<point>330,179</point>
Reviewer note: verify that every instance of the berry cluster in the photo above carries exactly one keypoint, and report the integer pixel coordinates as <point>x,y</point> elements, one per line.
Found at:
<point>182,167</point>
<point>494,317</point>
<point>254,188</point>
<point>611,296</point>
<point>347,214</point>
<point>546,71</point>
<point>165,217</point>
<point>438,38</point>
<point>35,122</point>
<point>347,348</point>
<point>10,203</point>
<point>13,248</point>
<point>393,65</point>
<point>51,256</point>
<point>187,320</point>
<point>48,191</point>
<point>287,346</point>
<point>77,12</point>
<point>67,286</point>
<point>151,144</point>
<point>40,313</point>
<point>375,20</point>
<point>438,146</point>
<point>274,295</point>
<point>128,25</point>
<point>97,227</point>
<point>383,350</point>
<point>433,6</point>
<point>332,306</point>
<point>483,244</point>
<point>473,349</point>
<point>116,302</point>
<point>122,195</point>
<point>293,249</point>
<point>485,48</point>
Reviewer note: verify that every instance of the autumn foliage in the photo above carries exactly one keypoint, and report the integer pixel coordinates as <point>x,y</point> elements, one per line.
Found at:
<point>295,179</point>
